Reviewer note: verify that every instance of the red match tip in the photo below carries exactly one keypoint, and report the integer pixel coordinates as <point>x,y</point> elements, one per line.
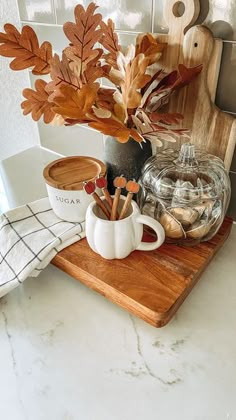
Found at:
<point>101,182</point>
<point>89,187</point>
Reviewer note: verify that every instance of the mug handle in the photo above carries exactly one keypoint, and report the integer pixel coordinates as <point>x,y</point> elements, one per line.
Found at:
<point>157,227</point>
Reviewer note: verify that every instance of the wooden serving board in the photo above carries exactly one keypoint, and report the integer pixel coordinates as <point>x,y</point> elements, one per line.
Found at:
<point>211,129</point>
<point>151,285</point>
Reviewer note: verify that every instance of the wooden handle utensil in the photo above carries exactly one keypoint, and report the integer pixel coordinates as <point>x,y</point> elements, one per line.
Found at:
<point>90,187</point>
<point>133,188</point>
<point>101,183</point>
<point>119,182</point>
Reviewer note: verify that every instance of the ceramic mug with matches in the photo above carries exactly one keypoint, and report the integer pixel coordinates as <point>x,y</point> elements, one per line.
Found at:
<point>117,239</point>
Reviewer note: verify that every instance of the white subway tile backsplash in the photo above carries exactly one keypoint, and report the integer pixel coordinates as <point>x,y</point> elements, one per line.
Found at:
<point>65,10</point>
<point>128,15</point>
<point>226,90</point>
<point>69,141</point>
<point>37,10</point>
<point>220,17</point>
<point>160,25</point>
<point>126,39</point>
<point>53,34</point>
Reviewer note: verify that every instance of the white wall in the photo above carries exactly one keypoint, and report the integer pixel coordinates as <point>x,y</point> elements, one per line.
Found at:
<point>16,131</point>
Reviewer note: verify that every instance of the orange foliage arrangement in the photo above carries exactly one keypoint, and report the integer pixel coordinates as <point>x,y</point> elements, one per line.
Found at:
<point>75,96</point>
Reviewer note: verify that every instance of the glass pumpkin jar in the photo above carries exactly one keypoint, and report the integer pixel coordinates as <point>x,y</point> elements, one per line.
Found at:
<point>188,192</point>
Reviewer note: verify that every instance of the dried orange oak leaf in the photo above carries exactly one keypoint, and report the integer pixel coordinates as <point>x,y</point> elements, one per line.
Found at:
<point>88,71</point>
<point>149,46</point>
<point>110,42</point>
<point>74,104</point>
<point>37,103</point>
<point>109,39</point>
<point>83,35</point>
<point>116,129</point>
<point>135,79</point>
<point>61,74</point>
<point>105,98</point>
<point>25,49</point>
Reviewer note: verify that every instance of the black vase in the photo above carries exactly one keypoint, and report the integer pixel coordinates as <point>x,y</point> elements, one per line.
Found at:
<point>125,159</point>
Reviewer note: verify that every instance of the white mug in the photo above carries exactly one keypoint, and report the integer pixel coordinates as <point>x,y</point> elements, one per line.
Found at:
<point>117,239</point>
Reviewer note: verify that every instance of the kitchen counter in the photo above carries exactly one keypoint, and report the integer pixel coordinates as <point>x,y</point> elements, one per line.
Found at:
<point>67,353</point>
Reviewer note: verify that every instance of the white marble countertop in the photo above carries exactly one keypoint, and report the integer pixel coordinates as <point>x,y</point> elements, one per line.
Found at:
<point>69,354</point>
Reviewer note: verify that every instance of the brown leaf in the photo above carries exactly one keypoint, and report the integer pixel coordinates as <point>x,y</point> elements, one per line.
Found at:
<point>37,102</point>
<point>105,98</point>
<point>101,112</point>
<point>93,71</point>
<point>84,34</point>
<point>157,101</point>
<point>84,58</point>
<point>119,108</point>
<point>168,119</point>
<point>115,128</point>
<point>88,71</point>
<point>25,48</point>
<point>119,112</point>
<point>135,79</point>
<point>116,74</point>
<point>154,78</point>
<point>110,41</point>
<point>157,132</point>
<point>168,80</point>
<point>130,76</point>
<point>186,75</point>
<point>161,92</point>
<point>74,104</point>
<point>61,74</point>
<point>146,44</point>
<point>182,77</point>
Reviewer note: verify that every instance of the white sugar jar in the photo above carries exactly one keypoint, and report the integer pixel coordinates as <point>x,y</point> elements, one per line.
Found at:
<point>64,181</point>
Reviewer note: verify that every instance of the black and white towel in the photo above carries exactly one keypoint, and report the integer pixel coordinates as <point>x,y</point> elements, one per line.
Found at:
<point>30,236</point>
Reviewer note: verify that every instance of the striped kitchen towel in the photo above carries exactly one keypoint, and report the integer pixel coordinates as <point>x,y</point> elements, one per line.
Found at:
<point>30,236</point>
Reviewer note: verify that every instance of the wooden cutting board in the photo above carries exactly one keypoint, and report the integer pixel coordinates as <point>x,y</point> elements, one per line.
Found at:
<point>151,285</point>
<point>211,129</point>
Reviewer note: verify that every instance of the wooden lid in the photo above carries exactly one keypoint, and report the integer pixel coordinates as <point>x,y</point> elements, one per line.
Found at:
<point>69,173</point>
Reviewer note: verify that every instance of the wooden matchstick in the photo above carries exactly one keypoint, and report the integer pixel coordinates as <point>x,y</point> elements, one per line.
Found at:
<point>101,183</point>
<point>133,188</point>
<point>90,187</point>
<point>119,182</point>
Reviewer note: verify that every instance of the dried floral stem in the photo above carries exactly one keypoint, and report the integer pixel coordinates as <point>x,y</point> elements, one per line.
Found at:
<point>74,96</point>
